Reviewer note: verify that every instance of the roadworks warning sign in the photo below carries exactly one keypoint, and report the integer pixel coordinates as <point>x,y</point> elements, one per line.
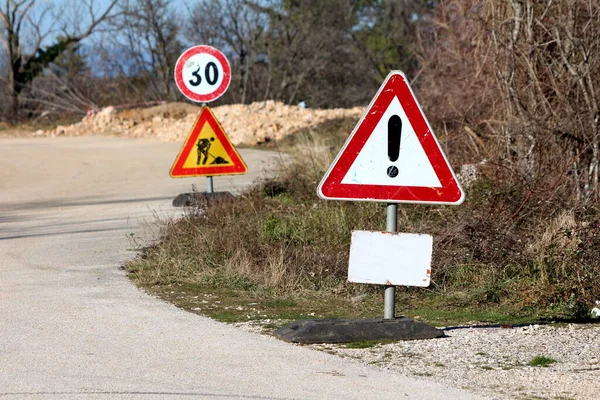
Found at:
<point>207,151</point>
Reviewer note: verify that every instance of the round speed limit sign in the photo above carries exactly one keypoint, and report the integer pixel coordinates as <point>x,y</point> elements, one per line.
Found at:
<point>202,73</point>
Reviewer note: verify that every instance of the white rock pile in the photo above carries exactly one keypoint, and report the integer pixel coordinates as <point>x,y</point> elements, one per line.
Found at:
<point>249,124</point>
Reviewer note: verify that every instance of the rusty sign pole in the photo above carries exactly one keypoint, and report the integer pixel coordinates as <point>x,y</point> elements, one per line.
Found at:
<point>389,310</point>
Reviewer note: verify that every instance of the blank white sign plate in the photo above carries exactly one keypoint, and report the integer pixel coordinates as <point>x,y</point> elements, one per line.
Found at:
<point>383,258</point>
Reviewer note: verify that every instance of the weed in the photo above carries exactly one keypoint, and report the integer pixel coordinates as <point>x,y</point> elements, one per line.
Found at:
<point>280,303</point>
<point>541,361</point>
<point>225,316</point>
<point>228,282</point>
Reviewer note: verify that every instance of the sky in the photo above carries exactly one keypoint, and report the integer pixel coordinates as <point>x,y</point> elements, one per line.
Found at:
<point>51,15</point>
<point>75,12</point>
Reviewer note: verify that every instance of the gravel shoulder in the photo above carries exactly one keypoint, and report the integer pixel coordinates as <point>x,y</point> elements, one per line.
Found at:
<point>493,361</point>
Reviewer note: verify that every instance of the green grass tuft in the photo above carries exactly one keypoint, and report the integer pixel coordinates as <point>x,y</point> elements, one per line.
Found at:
<point>225,316</point>
<point>541,361</point>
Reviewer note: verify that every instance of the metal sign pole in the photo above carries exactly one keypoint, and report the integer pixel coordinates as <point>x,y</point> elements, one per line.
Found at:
<point>389,310</point>
<point>209,179</point>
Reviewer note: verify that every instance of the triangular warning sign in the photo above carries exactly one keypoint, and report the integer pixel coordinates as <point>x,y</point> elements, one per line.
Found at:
<point>207,151</point>
<point>392,155</point>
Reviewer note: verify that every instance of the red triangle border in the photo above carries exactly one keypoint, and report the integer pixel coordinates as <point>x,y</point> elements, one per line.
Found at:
<point>331,186</point>
<point>207,117</point>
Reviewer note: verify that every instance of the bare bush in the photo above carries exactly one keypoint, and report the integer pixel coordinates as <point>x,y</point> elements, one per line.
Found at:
<point>516,82</point>
<point>512,86</point>
<point>150,39</point>
<point>26,25</point>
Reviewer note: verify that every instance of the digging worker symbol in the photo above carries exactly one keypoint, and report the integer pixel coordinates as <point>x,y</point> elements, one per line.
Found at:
<point>203,148</point>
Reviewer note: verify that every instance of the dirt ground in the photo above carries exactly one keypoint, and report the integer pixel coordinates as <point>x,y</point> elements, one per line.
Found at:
<point>250,124</point>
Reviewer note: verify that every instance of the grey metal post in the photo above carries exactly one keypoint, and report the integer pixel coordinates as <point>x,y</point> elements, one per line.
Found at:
<point>209,179</point>
<point>389,310</point>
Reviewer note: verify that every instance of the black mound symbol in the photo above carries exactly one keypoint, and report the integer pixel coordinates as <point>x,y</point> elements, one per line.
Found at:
<point>219,160</point>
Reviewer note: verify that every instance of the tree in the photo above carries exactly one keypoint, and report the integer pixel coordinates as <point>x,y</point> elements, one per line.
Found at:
<point>70,63</point>
<point>236,28</point>
<point>386,31</point>
<point>548,64</point>
<point>23,22</point>
<point>327,54</point>
<point>312,56</point>
<point>151,42</point>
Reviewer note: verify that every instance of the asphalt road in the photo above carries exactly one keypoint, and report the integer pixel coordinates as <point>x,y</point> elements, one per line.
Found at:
<point>73,326</point>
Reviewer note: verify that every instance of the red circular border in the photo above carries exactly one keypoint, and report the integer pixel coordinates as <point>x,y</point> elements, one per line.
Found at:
<point>202,98</point>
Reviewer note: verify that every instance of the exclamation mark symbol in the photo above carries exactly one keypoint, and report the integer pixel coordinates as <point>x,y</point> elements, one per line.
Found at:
<point>394,134</point>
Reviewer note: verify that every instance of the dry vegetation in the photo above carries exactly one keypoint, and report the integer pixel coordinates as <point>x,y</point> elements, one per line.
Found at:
<point>511,88</point>
<point>514,84</point>
<point>279,241</point>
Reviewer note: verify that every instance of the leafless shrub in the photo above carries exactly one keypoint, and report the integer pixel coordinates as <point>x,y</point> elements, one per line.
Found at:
<point>26,25</point>
<point>516,82</point>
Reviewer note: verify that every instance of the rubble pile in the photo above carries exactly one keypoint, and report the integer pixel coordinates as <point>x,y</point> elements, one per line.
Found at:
<point>244,124</point>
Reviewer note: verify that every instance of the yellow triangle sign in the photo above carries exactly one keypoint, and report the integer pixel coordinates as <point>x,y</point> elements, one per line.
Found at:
<point>207,151</point>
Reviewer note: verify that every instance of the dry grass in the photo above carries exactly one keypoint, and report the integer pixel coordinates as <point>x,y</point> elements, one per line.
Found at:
<point>499,97</point>
<point>500,249</point>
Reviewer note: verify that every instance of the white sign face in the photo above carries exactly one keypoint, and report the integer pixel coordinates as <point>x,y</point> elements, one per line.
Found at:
<point>383,258</point>
<point>371,165</point>
<point>202,73</point>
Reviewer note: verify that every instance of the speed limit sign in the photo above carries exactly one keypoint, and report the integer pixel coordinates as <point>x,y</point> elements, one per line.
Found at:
<point>202,73</point>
